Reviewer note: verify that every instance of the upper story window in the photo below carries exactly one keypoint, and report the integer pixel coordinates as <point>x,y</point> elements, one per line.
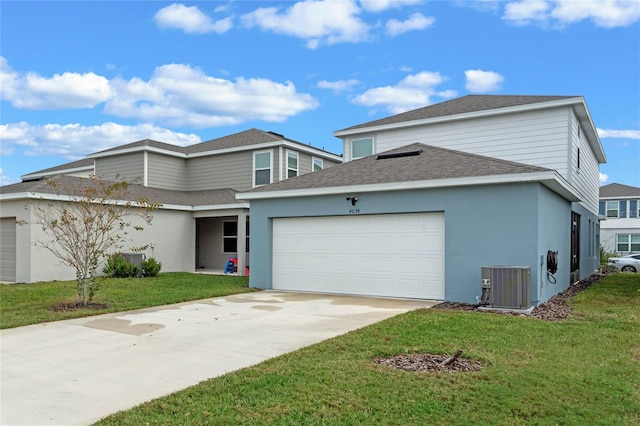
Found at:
<point>361,148</point>
<point>292,164</point>
<point>262,168</point>
<point>317,164</point>
<point>612,209</point>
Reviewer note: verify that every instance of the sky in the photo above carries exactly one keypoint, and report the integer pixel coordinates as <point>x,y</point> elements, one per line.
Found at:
<point>78,77</point>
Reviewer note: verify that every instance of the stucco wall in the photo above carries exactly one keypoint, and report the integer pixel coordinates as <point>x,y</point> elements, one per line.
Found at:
<point>484,226</point>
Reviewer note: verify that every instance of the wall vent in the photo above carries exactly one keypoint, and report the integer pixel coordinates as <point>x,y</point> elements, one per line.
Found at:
<point>510,286</point>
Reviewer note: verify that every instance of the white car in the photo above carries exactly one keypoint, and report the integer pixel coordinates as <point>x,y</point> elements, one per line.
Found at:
<point>628,263</point>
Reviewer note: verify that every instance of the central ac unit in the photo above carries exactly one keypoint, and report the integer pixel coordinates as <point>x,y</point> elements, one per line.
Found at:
<point>509,286</point>
<point>134,258</point>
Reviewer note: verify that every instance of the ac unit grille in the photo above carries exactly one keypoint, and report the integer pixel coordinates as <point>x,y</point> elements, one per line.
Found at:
<point>134,258</point>
<point>510,286</point>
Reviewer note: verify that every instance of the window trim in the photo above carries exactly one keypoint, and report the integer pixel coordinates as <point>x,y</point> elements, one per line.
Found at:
<point>629,242</point>
<point>297,169</point>
<point>255,154</point>
<point>313,164</point>
<point>373,150</point>
<point>607,209</point>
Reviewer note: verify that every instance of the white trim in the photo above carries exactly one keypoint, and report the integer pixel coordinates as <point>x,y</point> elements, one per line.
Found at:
<point>295,146</point>
<point>550,179</point>
<point>253,169</point>
<point>57,172</point>
<point>313,163</point>
<point>373,146</point>
<point>280,163</point>
<point>145,168</point>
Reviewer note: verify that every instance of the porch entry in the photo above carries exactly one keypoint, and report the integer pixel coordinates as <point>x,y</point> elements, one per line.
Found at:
<point>220,238</point>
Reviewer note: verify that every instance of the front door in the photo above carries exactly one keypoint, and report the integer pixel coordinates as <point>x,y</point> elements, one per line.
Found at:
<point>575,247</point>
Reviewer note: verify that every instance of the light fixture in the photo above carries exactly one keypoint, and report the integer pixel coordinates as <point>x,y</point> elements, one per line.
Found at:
<point>353,200</point>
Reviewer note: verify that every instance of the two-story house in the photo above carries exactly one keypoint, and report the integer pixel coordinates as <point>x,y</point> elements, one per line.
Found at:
<point>427,198</point>
<point>620,224</point>
<point>200,224</point>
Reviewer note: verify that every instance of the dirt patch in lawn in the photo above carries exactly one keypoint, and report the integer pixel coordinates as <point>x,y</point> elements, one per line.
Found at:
<point>429,363</point>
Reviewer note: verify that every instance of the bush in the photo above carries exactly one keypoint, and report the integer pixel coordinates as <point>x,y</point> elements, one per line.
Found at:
<point>118,267</point>
<point>151,267</point>
<point>604,256</point>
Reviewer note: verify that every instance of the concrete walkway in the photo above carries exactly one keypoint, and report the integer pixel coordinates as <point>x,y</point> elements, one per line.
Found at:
<point>75,372</point>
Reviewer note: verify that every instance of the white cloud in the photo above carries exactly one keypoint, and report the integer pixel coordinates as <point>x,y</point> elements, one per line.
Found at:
<point>180,95</point>
<point>417,21</point>
<point>6,180</point>
<point>69,90</point>
<point>623,134</point>
<point>74,141</point>
<point>317,21</point>
<point>380,5</point>
<point>190,20</point>
<point>559,13</point>
<point>479,81</point>
<point>603,177</point>
<point>176,94</point>
<point>414,91</point>
<point>338,86</point>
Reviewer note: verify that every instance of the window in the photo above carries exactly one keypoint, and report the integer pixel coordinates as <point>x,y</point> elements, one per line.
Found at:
<point>634,208</point>
<point>628,242</point>
<point>230,236</point>
<point>361,148</point>
<point>292,164</point>
<point>612,209</point>
<point>316,164</point>
<point>262,168</point>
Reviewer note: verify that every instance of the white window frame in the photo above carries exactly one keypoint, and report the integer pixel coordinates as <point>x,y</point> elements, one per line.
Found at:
<point>607,209</point>
<point>353,141</point>
<point>319,161</point>
<point>255,154</point>
<point>296,170</point>
<point>629,242</point>
<point>235,237</point>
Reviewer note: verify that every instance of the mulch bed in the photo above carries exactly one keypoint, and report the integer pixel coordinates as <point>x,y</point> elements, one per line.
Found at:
<point>555,309</point>
<point>71,307</point>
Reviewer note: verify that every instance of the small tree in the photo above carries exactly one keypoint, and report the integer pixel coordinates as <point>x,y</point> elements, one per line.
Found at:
<point>88,223</point>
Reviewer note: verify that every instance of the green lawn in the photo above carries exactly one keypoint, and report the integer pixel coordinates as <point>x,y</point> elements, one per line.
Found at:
<point>582,371</point>
<point>24,304</point>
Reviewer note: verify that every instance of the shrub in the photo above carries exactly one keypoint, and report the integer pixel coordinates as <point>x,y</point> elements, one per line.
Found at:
<point>118,267</point>
<point>151,267</point>
<point>604,256</point>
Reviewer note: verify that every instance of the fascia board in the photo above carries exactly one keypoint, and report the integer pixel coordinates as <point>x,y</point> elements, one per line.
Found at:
<point>266,145</point>
<point>548,178</point>
<point>221,207</point>
<point>463,116</point>
<point>56,172</point>
<point>621,197</point>
<point>584,117</point>
<point>137,149</point>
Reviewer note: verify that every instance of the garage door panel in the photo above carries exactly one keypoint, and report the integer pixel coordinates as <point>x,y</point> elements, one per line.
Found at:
<point>398,255</point>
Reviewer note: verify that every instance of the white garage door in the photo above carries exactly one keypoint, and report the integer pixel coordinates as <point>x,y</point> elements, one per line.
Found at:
<point>394,255</point>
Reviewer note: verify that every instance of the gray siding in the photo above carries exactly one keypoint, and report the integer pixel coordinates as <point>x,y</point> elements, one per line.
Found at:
<point>8,249</point>
<point>536,138</point>
<point>129,167</point>
<point>586,178</point>
<point>166,172</point>
<point>508,225</point>
<point>233,170</point>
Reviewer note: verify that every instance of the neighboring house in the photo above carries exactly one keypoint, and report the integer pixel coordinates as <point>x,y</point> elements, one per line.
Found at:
<point>620,219</point>
<point>429,197</point>
<point>200,224</point>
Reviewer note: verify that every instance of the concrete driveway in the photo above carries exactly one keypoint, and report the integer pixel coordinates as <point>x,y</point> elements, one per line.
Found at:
<point>75,372</point>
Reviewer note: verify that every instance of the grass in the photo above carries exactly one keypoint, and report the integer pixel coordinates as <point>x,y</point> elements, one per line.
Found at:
<point>585,370</point>
<point>24,304</point>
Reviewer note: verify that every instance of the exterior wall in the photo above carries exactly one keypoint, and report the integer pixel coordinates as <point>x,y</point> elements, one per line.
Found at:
<point>537,138</point>
<point>484,226</point>
<point>129,167</point>
<point>171,233</point>
<point>233,170</point>
<point>166,172</point>
<point>585,178</point>
<point>210,245</point>
<point>627,223</point>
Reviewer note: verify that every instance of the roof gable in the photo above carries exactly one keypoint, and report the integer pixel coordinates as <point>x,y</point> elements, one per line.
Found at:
<point>618,190</point>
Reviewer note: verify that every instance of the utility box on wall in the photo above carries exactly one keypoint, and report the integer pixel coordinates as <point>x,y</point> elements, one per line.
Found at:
<point>509,286</point>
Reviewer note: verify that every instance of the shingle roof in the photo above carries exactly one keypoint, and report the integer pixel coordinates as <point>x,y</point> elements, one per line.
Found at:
<point>68,185</point>
<point>465,104</point>
<point>85,162</point>
<point>619,190</point>
<point>431,164</point>
<point>236,140</point>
